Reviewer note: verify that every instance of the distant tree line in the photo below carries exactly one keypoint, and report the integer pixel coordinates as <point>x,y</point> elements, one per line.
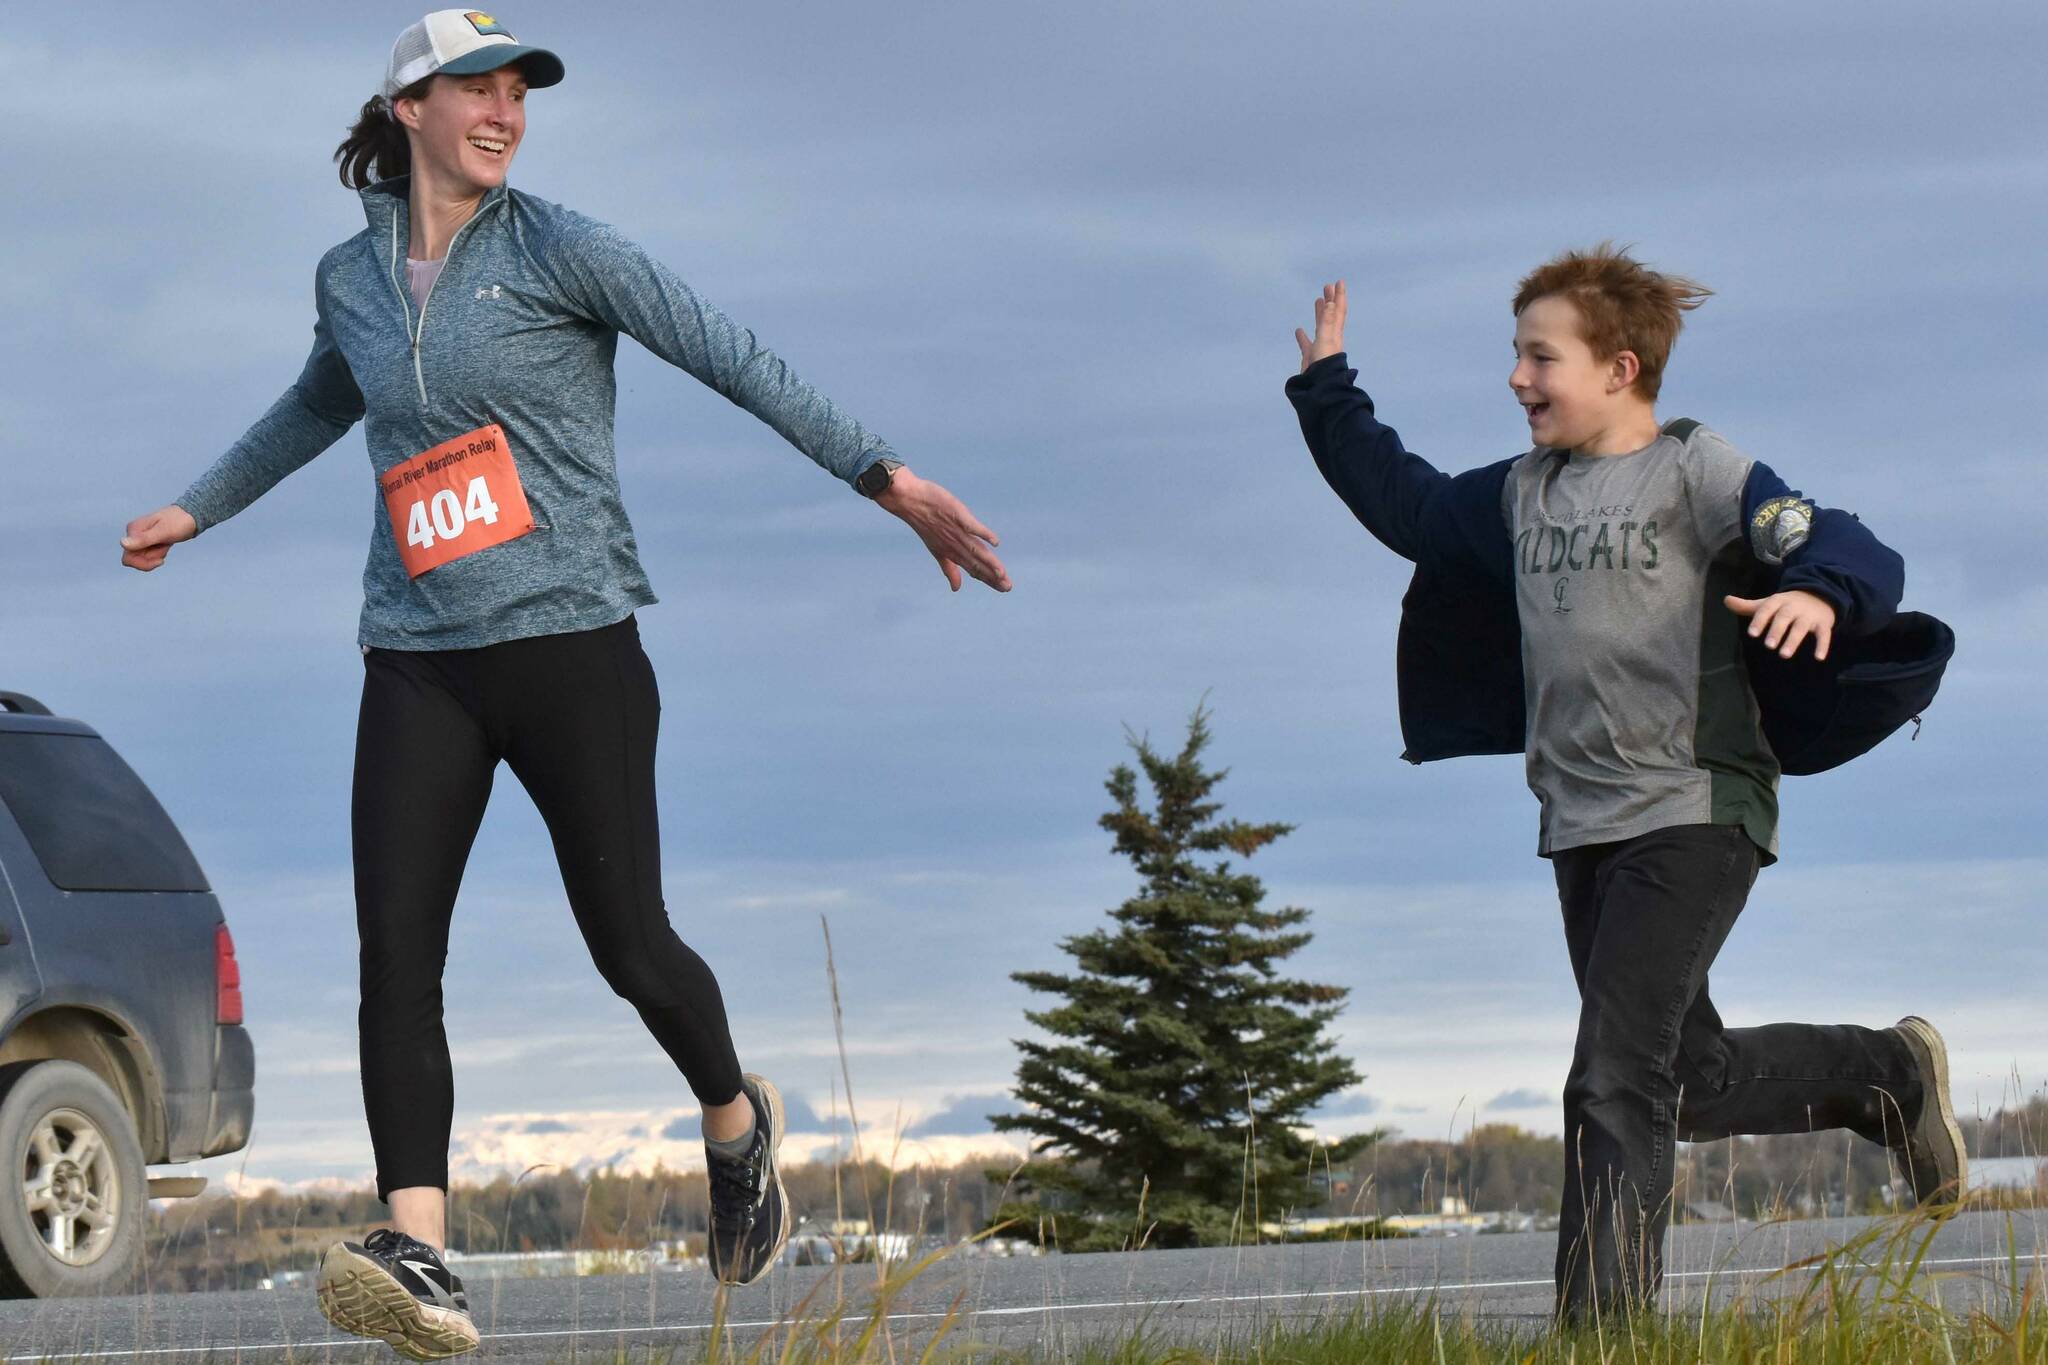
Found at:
<point>1499,1167</point>
<point>223,1242</point>
<point>220,1242</point>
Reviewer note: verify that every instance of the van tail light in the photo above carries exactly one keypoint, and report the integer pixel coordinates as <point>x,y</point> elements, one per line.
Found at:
<point>227,974</point>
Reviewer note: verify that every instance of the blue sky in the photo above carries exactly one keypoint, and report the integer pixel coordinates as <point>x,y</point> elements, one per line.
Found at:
<point>1055,254</point>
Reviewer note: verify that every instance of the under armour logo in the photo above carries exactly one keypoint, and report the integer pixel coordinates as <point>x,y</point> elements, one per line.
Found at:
<point>495,291</point>
<point>1558,594</point>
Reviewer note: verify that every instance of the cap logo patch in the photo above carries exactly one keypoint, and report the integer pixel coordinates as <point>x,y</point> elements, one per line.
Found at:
<point>486,25</point>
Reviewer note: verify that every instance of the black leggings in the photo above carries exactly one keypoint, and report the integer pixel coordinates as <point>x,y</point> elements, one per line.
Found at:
<point>575,718</point>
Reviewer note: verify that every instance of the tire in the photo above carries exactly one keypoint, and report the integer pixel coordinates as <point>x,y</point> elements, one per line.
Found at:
<point>51,1243</point>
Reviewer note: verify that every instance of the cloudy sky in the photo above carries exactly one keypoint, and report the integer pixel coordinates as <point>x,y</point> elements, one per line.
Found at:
<point>1055,254</point>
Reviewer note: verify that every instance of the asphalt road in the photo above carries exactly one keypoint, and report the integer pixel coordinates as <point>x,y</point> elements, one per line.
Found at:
<point>1046,1305</point>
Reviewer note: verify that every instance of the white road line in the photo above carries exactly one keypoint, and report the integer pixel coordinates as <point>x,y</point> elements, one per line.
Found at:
<point>1295,1296</point>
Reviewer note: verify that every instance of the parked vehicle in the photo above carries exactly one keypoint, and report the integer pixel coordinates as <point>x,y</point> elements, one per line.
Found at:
<point>121,1036</point>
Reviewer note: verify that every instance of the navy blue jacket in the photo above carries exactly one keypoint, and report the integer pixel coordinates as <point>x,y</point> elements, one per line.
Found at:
<point>1458,658</point>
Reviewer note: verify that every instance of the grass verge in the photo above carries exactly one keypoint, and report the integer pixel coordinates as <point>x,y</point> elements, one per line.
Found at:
<point>1873,1299</point>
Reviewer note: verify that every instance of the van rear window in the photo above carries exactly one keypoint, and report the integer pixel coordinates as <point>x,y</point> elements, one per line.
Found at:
<point>91,822</point>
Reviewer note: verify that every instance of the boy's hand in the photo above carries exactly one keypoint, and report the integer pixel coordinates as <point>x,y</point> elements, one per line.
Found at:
<point>1329,337</point>
<point>1789,617</point>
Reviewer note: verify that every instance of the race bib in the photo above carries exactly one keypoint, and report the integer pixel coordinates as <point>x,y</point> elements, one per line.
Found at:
<point>460,497</point>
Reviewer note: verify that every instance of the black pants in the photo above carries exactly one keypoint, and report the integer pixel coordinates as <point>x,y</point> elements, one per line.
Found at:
<point>1653,1065</point>
<point>575,717</point>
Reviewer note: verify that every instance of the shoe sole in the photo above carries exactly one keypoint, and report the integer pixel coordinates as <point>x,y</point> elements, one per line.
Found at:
<point>1930,1052</point>
<point>775,1125</point>
<point>360,1297</point>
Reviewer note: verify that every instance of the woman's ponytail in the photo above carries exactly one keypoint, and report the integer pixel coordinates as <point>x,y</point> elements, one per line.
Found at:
<point>376,148</point>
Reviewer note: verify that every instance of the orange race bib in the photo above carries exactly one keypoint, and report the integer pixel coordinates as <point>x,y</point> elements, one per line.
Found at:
<point>460,497</point>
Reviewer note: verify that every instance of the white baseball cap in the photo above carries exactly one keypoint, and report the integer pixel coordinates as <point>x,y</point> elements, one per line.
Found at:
<point>463,42</point>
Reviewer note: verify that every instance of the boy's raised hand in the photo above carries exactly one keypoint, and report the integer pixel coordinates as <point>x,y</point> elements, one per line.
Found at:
<point>1789,617</point>
<point>1329,337</point>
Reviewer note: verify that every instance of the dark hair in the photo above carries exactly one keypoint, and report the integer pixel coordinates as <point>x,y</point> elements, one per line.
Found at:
<point>376,148</point>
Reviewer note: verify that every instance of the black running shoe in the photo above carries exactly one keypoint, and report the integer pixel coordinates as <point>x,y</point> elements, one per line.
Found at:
<point>1930,1152</point>
<point>749,1215</point>
<point>394,1288</point>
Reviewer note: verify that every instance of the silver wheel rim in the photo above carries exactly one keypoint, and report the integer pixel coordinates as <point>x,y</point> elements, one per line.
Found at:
<point>71,1187</point>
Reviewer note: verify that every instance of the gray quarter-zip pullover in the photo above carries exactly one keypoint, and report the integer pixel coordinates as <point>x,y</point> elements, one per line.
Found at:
<point>520,329</point>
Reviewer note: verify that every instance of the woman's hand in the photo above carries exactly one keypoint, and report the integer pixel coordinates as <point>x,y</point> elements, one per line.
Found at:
<point>947,528</point>
<point>148,539</point>
<point>1790,617</point>
<point>1329,337</point>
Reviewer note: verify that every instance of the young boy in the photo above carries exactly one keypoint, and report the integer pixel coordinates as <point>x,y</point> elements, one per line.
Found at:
<point>1585,604</point>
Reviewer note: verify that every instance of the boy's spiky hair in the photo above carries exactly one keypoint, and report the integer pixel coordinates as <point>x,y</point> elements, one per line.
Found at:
<point>1623,305</point>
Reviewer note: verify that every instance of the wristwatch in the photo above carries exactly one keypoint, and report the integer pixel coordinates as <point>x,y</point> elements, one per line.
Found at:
<point>874,480</point>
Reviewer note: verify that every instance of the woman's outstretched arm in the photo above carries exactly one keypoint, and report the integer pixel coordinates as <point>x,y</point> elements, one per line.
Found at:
<point>606,277</point>
<point>314,413</point>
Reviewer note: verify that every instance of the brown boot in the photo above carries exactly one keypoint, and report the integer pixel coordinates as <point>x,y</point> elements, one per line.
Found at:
<point>1930,1152</point>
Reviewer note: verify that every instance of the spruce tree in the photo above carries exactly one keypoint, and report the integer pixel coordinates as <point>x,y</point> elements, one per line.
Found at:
<point>1181,1063</point>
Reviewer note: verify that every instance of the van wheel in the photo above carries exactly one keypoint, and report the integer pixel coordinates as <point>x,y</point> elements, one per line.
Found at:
<point>71,1184</point>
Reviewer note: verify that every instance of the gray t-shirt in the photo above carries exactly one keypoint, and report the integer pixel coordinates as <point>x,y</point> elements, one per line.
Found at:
<point>1640,711</point>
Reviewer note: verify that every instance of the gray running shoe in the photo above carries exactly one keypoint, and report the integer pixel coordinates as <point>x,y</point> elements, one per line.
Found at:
<point>394,1288</point>
<point>749,1213</point>
<point>1930,1153</point>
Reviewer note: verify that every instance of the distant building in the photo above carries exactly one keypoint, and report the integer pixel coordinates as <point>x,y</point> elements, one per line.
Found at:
<point>497,1265</point>
<point>1705,1211</point>
<point>844,1239</point>
<point>2009,1173</point>
<point>1453,1218</point>
<point>998,1246</point>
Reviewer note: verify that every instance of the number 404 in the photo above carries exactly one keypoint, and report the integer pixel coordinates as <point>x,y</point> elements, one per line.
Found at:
<point>448,516</point>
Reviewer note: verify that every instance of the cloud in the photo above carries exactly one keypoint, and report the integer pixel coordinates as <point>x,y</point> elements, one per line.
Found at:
<point>823,898</point>
<point>547,1126</point>
<point>797,1114</point>
<point>802,1118</point>
<point>964,1116</point>
<point>1521,1099</point>
<point>1349,1104</point>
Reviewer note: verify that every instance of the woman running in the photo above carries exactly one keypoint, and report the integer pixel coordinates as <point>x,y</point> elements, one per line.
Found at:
<point>472,328</point>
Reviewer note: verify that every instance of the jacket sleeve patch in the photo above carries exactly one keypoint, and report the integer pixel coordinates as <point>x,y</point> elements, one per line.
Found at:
<point>1779,528</point>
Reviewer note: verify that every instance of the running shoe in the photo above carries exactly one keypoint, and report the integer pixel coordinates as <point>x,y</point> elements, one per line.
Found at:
<point>749,1213</point>
<point>1930,1153</point>
<point>395,1288</point>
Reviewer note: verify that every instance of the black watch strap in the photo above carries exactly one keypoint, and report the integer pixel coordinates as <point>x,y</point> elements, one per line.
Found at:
<point>875,479</point>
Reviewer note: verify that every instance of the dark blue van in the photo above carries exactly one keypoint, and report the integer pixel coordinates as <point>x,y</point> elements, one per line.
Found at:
<point>121,1037</point>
